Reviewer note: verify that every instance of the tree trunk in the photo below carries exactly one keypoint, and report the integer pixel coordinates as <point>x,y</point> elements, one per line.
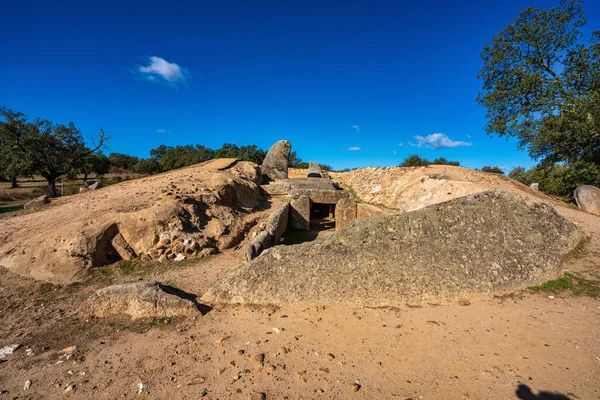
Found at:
<point>52,186</point>
<point>13,182</point>
<point>85,176</point>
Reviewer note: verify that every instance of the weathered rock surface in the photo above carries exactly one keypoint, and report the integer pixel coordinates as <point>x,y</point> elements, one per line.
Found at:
<point>37,203</point>
<point>345,211</point>
<point>413,188</point>
<point>369,211</point>
<point>588,198</point>
<point>300,213</point>
<point>486,242</point>
<point>275,228</point>
<point>314,170</point>
<point>183,214</point>
<point>275,164</point>
<point>141,300</point>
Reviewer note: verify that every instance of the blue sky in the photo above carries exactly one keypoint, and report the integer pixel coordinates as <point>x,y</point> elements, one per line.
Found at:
<point>332,77</point>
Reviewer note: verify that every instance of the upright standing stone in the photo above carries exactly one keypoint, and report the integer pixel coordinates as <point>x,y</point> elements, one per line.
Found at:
<point>314,170</point>
<point>300,213</point>
<point>275,165</point>
<point>345,211</point>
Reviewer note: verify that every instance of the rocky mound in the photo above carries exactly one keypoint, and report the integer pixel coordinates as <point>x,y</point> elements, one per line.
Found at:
<point>487,242</point>
<point>181,214</point>
<point>410,189</point>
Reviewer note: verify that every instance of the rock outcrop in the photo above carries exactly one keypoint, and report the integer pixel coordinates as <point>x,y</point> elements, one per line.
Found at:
<point>141,300</point>
<point>275,229</point>
<point>275,164</point>
<point>588,198</point>
<point>486,242</point>
<point>37,204</point>
<point>182,214</point>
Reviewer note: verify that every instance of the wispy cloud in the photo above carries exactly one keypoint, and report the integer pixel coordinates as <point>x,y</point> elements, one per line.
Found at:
<point>469,136</point>
<point>163,131</point>
<point>160,70</point>
<point>354,148</point>
<point>395,152</point>
<point>437,141</point>
<point>401,144</point>
<point>356,127</point>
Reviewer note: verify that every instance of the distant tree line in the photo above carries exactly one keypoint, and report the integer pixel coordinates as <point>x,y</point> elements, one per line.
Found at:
<point>415,160</point>
<point>558,179</point>
<point>40,147</point>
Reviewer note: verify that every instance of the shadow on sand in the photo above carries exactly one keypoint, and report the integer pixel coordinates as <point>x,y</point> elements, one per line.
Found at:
<point>524,393</point>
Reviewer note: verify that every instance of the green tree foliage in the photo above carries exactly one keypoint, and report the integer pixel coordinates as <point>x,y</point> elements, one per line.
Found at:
<point>558,179</point>
<point>493,170</point>
<point>12,166</point>
<point>444,161</point>
<point>294,161</point>
<point>120,161</point>
<point>43,147</point>
<point>183,156</point>
<point>94,163</point>
<point>541,84</point>
<point>414,160</point>
<point>147,166</point>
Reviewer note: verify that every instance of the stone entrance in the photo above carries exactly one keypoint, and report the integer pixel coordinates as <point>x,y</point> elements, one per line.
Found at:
<point>304,193</point>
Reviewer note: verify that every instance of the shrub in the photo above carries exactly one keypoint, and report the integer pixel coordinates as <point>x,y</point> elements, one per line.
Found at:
<point>493,170</point>
<point>414,161</point>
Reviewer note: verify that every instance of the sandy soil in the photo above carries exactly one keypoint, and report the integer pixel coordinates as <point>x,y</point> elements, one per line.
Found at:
<point>483,350</point>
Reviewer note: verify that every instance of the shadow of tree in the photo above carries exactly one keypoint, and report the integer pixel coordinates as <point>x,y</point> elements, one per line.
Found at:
<point>524,393</point>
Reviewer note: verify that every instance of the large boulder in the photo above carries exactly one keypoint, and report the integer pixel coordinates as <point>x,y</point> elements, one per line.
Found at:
<point>482,243</point>
<point>142,300</point>
<point>275,165</point>
<point>588,198</point>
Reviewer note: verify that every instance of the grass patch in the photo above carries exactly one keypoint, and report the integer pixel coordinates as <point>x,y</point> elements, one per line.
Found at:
<point>6,208</point>
<point>353,194</point>
<point>128,267</point>
<point>569,282</point>
<point>106,272</point>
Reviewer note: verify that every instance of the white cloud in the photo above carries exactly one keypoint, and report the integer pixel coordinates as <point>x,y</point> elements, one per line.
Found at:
<point>437,141</point>
<point>161,71</point>
<point>395,152</point>
<point>469,136</point>
<point>401,144</point>
<point>354,148</point>
<point>357,127</point>
<point>163,131</point>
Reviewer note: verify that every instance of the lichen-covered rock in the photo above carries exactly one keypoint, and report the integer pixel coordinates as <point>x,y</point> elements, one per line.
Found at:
<point>588,198</point>
<point>141,300</point>
<point>482,243</point>
<point>275,164</point>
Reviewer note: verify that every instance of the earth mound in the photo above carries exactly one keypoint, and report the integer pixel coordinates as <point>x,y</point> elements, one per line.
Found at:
<point>411,188</point>
<point>482,243</point>
<point>187,213</point>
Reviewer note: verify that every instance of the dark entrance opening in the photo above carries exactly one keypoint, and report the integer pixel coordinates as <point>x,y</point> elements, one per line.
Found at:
<point>321,216</point>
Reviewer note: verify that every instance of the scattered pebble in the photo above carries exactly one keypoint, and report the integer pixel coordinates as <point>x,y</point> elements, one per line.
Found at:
<point>258,396</point>
<point>330,356</point>
<point>276,330</point>
<point>464,302</point>
<point>197,380</point>
<point>551,297</point>
<point>434,323</point>
<point>355,387</point>
<point>258,359</point>
<point>27,385</point>
<point>6,350</point>
<point>141,387</point>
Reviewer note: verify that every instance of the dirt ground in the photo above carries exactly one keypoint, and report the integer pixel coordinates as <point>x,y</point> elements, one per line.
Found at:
<point>483,350</point>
